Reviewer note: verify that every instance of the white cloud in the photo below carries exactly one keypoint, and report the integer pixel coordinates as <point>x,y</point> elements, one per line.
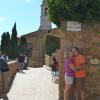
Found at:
<point>27,0</point>
<point>2,18</point>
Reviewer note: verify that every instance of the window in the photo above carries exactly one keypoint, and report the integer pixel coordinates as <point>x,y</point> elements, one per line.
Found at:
<point>46,11</point>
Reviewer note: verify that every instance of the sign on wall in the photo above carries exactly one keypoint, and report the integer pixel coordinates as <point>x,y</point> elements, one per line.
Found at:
<point>73,26</point>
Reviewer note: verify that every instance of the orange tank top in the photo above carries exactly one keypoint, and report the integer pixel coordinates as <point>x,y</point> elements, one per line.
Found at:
<point>78,61</point>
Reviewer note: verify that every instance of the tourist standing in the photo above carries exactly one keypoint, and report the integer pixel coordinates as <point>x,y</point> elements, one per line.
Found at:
<point>6,57</point>
<point>2,56</point>
<point>26,62</point>
<point>21,59</point>
<point>80,73</point>
<point>54,64</point>
<point>69,74</point>
<point>4,75</point>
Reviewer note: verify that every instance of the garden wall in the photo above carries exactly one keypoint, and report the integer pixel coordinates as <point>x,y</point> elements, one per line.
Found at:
<point>13,68</point>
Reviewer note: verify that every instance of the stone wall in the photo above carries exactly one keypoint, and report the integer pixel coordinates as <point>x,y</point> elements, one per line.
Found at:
<point>93,79</point>
<point>13,68</point>
<point>88,41</point>
<point>47,60</point>
<point>36,39</point>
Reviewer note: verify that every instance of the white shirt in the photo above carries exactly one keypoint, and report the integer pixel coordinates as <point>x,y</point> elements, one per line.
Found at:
<point>25,61</point>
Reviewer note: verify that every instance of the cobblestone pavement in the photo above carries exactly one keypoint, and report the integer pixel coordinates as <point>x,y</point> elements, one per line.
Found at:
<point>34,84</point>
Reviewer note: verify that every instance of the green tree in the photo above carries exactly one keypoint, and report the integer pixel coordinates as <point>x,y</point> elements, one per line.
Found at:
<point>14,42</point>
<point>51,44</point>
<point>5,42</point>
<point>85,11</point>
<point>23,45</point>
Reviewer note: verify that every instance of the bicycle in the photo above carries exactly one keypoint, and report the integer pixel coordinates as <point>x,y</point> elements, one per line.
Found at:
<point>55,76</point>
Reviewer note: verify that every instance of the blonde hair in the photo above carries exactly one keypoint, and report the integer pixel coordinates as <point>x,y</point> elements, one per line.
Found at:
<point>66,53</point>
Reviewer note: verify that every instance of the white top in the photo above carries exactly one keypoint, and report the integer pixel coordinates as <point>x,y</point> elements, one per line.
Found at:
<point>25,61</point>
<point>2,57</point>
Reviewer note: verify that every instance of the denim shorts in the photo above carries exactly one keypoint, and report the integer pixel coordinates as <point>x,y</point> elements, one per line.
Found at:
<point>69,80</point>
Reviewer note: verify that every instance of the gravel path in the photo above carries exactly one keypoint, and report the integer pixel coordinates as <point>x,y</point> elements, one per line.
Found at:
<point>34,84</point>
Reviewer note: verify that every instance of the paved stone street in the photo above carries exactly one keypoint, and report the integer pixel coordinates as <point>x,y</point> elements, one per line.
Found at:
<point>34,84</point>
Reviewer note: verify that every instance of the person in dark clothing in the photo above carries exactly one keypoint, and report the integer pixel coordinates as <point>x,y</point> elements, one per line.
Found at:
<point>3,65</point>
<point>21,59</point>
<point>6,57</point>
<point>54,64</point>
<point>4,75</point>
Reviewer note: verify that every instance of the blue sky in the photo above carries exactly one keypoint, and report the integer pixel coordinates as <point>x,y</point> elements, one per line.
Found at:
<point>26,13</point>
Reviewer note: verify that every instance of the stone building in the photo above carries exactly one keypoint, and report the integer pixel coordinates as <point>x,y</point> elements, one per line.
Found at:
<point>82,36</point>
<point>35,39</point>
<point>87,39</point>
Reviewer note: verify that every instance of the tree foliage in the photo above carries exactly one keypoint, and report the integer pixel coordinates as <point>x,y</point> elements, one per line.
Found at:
<point>3,42</point>
<point>14,42</point>
<point>9,43</point>
<point>14,34</point>
<point>5,39</point>
<point>51,44</point>
<point>85,11</point>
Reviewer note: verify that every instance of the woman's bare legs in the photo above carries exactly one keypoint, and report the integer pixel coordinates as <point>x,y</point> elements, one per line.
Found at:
<point>67,91</point>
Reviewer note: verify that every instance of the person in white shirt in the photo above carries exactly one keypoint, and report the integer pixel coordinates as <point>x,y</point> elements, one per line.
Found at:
<point>25,62</point>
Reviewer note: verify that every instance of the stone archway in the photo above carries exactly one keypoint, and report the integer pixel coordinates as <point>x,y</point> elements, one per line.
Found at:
<point>57,33</point>
<point>52,44</point>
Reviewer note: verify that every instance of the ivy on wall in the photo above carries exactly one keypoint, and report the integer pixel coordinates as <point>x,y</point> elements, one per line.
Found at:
<point>51,44</point>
